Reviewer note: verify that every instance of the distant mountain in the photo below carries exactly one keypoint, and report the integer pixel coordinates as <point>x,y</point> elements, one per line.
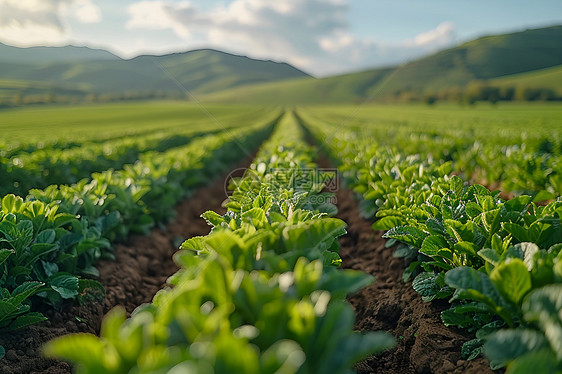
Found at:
<point>94,71</point>
<point>481,59</point>
<point>46,55</point>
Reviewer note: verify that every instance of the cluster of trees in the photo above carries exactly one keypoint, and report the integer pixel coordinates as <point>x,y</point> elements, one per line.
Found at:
<point>480,91</point>
<point>37,98</point>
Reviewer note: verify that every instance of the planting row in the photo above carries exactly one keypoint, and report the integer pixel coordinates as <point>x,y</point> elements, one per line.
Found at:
<point>505,156</point>
<point>53,237</point>
<point>60,128</point>
<point>499,262</point>
<point>260,294</point>
<point>47,166</point>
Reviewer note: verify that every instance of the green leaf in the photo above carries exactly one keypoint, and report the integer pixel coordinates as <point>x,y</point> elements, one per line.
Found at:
<point>84,348</point>
<point>492,220</point>
<point>543,196</point>
<point>517,204</point>
<point>112,323</point>
<point>213,219</point>
<point>283,356</point>
<point>435,226</point>
<point>471,349</point>
<point>543,307</point>
<point>457,185</point>
<point>426,284</point>
<point>25,290</point>
<point>9,229</point>
<point>63,219</point>
<point>463,314</point>
<point>505,346</point>
<point>518,232</point>
<point>255,216</point>
<point>332,259</point>
<point>475,285</point>
<point>542,361</point>
<point>529,251</point>
<point>2,352</point>
<point>4,254</point>
<point>407,234</point>
<point>490,255</point>
<point>27,319</point>
<point>318,234</point>
<point>40,250</point>
<point>459,231</point>
<point>432,244</point>
<point>195,244</point>
<point>386,223</point>
<point>512,278</point>
<point>46,236</point>
<point>6,308</point>
<point>11,203</point>
<point>450,318</point>
<point>472,209</point>
<point>465,247</point>
<point>65,285</point>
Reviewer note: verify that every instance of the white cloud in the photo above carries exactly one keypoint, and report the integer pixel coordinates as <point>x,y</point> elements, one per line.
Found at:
<point>32,22</point>
<point>444,34</point>
<point>86,11</point>
<point>312,34</point>
<point>290,30</point>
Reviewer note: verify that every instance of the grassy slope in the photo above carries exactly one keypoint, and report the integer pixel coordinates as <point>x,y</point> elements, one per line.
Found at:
<point>543,78</point>
<point>484,58</point>
<point>343,88</point>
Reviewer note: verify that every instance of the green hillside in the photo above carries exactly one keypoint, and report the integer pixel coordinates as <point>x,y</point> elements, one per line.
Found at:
<point>481,59</point>
<point>543,78</point>
<point>343,88</point>
<point>223,77</point>
<point>197,71</point>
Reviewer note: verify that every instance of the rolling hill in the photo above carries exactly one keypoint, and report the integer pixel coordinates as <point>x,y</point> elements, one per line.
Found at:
<point>198,71</point>
<point>524,57</point>
<point>481,59</point>
<point>33,55</point>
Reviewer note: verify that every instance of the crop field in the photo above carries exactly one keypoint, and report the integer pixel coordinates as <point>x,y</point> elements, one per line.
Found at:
<point>168,237</point>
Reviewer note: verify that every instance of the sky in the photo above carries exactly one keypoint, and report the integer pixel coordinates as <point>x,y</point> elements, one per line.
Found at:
<point>322,37</point>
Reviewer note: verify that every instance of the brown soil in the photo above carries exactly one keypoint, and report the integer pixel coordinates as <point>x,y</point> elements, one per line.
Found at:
<point>425,345</point>
<point>143,263</point>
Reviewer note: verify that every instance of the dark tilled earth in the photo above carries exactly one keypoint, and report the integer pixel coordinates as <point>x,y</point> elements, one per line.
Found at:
<point>425,345</point>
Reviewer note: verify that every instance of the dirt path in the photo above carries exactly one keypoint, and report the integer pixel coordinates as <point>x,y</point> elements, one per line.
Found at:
<point>143,263</point>
<point>425,345</point>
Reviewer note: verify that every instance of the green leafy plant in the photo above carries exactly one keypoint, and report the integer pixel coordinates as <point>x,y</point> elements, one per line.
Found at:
<point>260,294</point>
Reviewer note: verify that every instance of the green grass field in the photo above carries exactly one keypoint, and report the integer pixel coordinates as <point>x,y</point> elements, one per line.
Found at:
<point>526,117</point>
<point>47,123</point>
<point>104,120</point>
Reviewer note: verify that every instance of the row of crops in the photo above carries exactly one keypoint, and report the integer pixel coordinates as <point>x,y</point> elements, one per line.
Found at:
<point>24,167</point>
<point>262,293</point>
<point>52,238</point>
<point>498,262</point>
